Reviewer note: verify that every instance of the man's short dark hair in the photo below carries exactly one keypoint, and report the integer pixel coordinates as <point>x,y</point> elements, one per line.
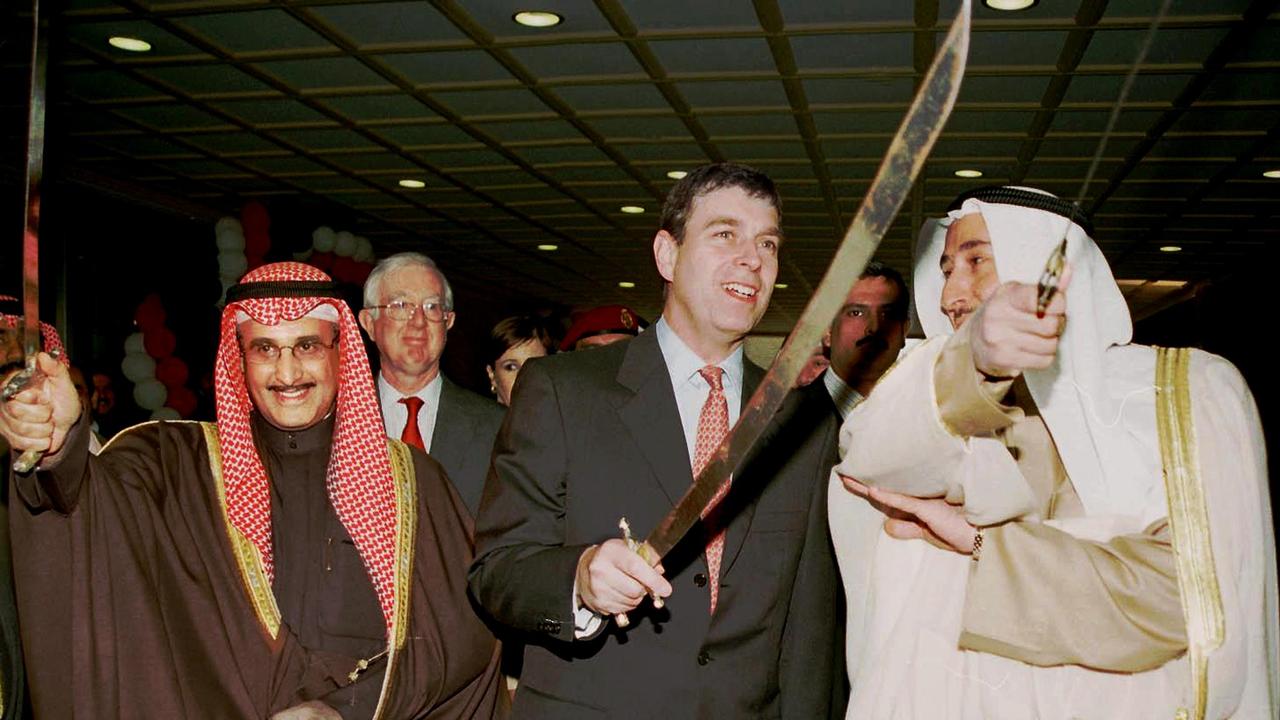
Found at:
<point>707,179</point>
<point>902,302</point>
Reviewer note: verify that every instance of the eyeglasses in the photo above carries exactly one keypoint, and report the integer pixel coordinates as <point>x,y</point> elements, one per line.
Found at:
<point>265,353</point>
<point>402,311</point>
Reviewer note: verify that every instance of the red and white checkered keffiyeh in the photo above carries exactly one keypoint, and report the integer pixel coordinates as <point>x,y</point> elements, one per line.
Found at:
<point>359,477</point>
<point>48,334</point>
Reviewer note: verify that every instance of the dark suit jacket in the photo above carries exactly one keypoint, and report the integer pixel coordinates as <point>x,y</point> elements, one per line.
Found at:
<point>595,435</point>
<point>466,424</point>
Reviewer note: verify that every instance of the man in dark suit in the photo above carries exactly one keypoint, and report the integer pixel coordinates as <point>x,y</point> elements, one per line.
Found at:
<point>749,627</point>
<point>408,310</point>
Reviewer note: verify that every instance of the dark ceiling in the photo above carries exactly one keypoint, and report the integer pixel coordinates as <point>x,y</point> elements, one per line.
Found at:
<point>526,137</point>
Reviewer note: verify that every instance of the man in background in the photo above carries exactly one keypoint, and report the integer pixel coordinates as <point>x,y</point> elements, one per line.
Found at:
<point>866,336</point>
<point>408,311</point>
<point>601,326</point>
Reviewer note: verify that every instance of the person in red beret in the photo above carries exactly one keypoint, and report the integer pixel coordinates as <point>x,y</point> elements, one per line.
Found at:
<point>601,326</point>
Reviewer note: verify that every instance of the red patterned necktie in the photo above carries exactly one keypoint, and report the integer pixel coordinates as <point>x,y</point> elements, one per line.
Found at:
<point>411,434</point>
<point>713,425</point>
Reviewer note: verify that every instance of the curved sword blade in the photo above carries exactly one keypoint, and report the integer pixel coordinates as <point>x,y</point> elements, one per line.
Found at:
<point>906,156</point>
<point>31,204</point>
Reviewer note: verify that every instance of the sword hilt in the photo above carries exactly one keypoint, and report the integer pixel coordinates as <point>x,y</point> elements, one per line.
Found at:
<point>646,553</point>
<point>19,381</point>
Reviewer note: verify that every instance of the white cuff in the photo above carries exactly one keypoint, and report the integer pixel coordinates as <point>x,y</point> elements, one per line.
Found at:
<point>586,623</point>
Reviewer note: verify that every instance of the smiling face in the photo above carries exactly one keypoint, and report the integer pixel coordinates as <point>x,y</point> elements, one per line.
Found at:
<point>969,266</point>
<point>409,350</point>
<point>502,374</point>
<point>292,394</point>
<point>721,276</point>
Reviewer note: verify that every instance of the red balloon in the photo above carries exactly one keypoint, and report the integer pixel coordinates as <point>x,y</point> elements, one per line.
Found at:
<point>344,269</point>
<point>322,260</point>
<point>362,273</point>
<point>159,342</point>
<point>182,400</point>
<point>172,372</point>
<point>150,313</point>
<point>257,243</point>
<point>253,216</point>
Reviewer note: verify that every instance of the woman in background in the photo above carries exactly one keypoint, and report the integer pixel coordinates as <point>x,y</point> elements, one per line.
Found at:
<point>512,343</point>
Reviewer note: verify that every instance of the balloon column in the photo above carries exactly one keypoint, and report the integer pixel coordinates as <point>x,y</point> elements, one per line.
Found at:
<point>159,377</point>
<point>347,258</point>
<point>232,262</point>
<point>242,244</point>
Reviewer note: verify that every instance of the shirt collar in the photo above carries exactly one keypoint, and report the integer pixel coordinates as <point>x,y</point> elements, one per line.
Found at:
<point>428,392</point>
<point>844,396</point>
<point>683,363</point>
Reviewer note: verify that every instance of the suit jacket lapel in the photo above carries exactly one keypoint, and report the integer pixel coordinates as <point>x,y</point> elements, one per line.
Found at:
<point>650,415</point>
<point>449,437</point>
<point>741,500</point>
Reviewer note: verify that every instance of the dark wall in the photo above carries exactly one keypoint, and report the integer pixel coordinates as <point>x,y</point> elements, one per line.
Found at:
<point>1228,318</point>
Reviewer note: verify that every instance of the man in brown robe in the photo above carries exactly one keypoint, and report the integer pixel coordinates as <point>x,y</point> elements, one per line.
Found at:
<point>289,560</point>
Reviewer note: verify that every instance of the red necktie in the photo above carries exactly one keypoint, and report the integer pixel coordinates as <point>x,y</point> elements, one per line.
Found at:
<point>713,425</point>
<point>411,434</point>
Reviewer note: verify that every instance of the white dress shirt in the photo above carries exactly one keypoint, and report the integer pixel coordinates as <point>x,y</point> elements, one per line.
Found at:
<point>395,413</point>
<point>691,391</point>
<point>844,396</point>
<point>690,387</point>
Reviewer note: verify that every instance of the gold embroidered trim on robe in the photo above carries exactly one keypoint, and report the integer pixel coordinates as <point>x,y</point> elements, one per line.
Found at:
<point>1188,521</point>
<point>406,487</point>
<point>254,574</point>
<point>248,559</point>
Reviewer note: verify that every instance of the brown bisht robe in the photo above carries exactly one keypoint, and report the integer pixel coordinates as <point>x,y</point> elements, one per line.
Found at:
<point>138,599</point>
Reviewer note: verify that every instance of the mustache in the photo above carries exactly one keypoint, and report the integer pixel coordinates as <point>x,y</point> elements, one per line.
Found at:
<point>872,339</point>
<point>289,388</point>
<point>957,310</point>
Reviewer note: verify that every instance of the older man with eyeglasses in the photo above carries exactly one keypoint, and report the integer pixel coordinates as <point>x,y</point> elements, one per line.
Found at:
<point>408,311</point>
<point>275,563</point>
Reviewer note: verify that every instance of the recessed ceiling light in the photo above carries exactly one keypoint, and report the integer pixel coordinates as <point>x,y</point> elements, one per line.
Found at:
<point>548,247</point>
<point>127,43</point>
<point>1009,5</point>
<point>677,174</point>
<point>1170,248</point>
<point>631,209</point>
<point>537,18</point>
<point>414,184</point>
<point>626,284</point>
<point>969,173</point>
<point>780,286</point>
<point>1273,174</point>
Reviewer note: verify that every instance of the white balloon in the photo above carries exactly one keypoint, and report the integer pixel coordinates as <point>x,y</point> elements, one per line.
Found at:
<point>165,413</point>
<point>150,394</point>
<point>230,241</point>
<point>226,223</point>
<point>323,239</point>
<point>232,263</point>
<point>345,245</point>
<point>134,344</point>
<point>364,250</point>
<point>138,366</point>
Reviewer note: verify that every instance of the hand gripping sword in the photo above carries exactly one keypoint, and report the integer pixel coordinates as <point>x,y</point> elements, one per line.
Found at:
<point>30,374</point>
<point>906,156</point>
